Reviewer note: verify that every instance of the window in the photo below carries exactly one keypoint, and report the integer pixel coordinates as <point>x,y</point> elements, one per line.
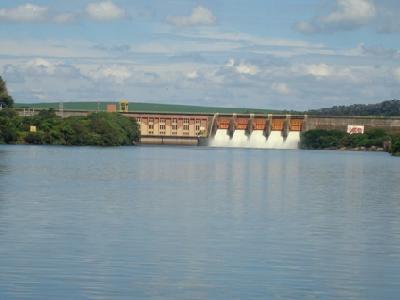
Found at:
<point>197,126</point>
<point>162,126</point>
<point>151,125</point>
<point>185,124</point>
<point>174,125</point>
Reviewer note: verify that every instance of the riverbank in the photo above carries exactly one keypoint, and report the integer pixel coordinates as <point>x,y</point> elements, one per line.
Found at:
<point>372,140</point>
<point>96,129</point>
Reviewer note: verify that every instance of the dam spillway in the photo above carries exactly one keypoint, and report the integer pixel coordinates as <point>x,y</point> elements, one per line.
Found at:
<point>268,132</point>
<point>256,140</point>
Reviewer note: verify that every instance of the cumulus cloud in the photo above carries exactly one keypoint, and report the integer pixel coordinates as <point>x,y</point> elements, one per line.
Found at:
<point>346,15</point>
<point>280,88</point>
<point>247,69</point>
<point>42,64</point>
<point>24,13</point>
<point>199,16</point>
<point>40,73</point>
<point>192,75</point>
<point>115,73</point>
<point>319,70</point>
<point>242,68</point>
<point>51,68</point>
<point>104,11</point>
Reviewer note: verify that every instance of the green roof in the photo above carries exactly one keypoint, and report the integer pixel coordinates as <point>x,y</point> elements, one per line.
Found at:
<point>146,107</point>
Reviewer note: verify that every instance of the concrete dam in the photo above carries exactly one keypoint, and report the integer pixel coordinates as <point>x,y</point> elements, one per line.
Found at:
<point>256,132</point>
<point>264,131</point>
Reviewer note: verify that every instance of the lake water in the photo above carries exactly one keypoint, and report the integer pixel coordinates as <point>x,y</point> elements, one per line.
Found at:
<point>197,223</point>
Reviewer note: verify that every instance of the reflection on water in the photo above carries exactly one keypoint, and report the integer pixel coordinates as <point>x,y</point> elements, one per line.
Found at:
<point>195,223</point>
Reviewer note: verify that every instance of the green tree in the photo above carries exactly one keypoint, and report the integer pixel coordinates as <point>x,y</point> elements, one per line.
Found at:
<point>396,146</point>
<point>5,99</point>
<point>8,126</point>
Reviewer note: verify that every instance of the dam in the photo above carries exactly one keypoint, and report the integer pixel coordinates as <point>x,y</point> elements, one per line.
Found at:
<point>232,130</point>
<point>257,132</point>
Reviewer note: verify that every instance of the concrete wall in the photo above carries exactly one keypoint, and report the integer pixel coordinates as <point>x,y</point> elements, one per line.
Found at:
<point>164,140</point>
<point>340,123</point>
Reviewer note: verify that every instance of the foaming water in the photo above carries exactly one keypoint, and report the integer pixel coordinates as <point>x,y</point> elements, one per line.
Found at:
<point>221,139</point>
<point>292,141</point>
<point>239,139</point>
<point>256,139</point>
<point>275,140</point>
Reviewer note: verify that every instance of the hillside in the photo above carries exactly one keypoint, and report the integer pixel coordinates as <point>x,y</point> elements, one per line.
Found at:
<point>386,108</point>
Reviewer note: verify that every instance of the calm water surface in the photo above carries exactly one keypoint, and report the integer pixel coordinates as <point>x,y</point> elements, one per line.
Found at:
<point>196,223</point>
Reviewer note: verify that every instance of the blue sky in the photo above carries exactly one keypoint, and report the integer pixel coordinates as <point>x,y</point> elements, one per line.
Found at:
<point>292,54</point>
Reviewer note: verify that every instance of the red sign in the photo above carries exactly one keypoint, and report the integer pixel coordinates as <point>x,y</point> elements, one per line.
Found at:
<point>355,129</point>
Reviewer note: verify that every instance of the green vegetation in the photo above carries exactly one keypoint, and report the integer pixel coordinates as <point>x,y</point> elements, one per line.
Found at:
<point>151,107</point>
<point>5,99</point>
<point>386,108</point>
<point>395,149</point>
<point>373,139</point>
<point>97,129</point>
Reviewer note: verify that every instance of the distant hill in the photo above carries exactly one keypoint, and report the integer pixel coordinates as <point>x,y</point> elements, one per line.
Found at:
<point>386,108</point>
<point>148,107</point>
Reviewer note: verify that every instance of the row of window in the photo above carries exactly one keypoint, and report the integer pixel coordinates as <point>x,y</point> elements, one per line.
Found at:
<point>174,126</point>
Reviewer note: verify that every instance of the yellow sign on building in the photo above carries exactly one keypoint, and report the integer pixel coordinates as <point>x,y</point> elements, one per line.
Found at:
<point>123,106</point>
<point>32,128</point>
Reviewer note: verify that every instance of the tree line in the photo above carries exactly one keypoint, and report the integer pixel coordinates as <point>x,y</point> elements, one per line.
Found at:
<point>373,139</point>
<point>386,108</point>
<point>97,129</point>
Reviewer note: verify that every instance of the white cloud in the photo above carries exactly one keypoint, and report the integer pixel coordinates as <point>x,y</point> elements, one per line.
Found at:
<point>114,73</point>
<point>49,68</point>
<point>319,70</point>
<point>230,63</point>
<point>24,13</point>
<point>242,68</point>
<point>42,66</point>
<point>355,74</point>
<point>104,11</point>
<point>39,62</point>
<point>192,75</point>
<point>247,69</point>
<point>347,15</point>
<point>281,88</point>
<point>200,16</point>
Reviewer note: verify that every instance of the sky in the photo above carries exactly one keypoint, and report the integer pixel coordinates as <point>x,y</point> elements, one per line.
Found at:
<point>287,54</point>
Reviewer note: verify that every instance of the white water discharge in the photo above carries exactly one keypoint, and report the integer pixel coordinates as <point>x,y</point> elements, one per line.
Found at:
<point>239,139</point>
<point>255,140</point>
<point>275,140</point>
<point>221,139</point>
<point>292,140</point>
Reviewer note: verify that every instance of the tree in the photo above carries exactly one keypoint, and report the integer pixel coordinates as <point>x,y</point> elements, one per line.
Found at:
<point>5,99</point>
